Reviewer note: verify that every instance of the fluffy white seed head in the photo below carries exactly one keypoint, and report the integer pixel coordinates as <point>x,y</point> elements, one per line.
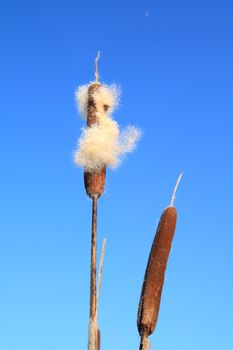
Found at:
<point>107,96</point>
<point>104,96</point>
<point>102,144</point>
<point>98,146</point>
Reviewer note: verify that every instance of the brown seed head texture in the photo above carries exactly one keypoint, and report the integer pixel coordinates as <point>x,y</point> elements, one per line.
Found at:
<point>91,107</point>
<point>94,180</point>
<point>148,309</point>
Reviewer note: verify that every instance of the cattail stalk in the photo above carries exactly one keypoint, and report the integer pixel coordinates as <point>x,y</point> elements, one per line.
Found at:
<point>144,342</point>
<point>94,182</point>
<point>101,269</point>
<point>98,339</point>
<point>101,144</point>
<point>93,259</point>
<point>149,304</point>
<point>92,337</point>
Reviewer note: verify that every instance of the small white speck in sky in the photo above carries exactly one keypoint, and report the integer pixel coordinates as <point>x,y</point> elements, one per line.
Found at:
<point>147,14</point>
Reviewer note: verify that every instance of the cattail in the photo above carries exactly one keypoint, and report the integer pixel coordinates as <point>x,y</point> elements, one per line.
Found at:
<point>94,181</point>
<point>154,276</point>
<point>149,304</point>
<point>100,145</point>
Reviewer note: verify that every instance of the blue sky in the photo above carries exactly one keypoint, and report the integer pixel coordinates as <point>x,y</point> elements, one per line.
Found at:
<point>173,60</point>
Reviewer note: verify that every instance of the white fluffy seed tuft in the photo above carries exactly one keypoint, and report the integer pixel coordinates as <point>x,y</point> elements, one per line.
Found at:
<point>128,139</point>
<point>98,146</point>
<point>102,144</point>
<point>107,96</point>
<point>81,97</point>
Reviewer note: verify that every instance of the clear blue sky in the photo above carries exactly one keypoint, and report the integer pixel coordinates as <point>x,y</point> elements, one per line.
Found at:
<point>173,60</point>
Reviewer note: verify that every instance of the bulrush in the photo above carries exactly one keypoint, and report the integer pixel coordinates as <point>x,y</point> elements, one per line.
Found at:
<point>100,145</point>
<point>149,304</point>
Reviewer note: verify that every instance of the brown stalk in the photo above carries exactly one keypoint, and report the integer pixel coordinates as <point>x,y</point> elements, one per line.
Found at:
<point>93,259</point>
<point>94,181</point>
<point>144,343</point>
<point>98,340</point>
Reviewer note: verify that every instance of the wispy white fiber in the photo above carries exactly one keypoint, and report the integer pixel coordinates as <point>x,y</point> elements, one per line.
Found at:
<point>104,96</point>
<point>107,96</point>
<point>103,143</point>
<point>81,97</point>
<point>128,139</point>
<point>97,146</point>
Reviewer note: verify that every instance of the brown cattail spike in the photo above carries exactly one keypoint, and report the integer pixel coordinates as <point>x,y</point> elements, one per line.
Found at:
<point>92,117</point>
<point>94,180</point>
<point>154,277</point>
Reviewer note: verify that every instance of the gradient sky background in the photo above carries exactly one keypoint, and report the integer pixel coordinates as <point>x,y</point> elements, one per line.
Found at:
<point>173,60</point>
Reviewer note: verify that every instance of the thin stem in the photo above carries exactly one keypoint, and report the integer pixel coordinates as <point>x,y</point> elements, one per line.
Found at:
<point>144,343</point>
<point>92,337</point>
<point>98,293</point>
<point>175,189</point>
<point>101,268</point>
<point>96,67</point>
<point>93,259</point>
<point>98,339</point>
<point>92,334</point>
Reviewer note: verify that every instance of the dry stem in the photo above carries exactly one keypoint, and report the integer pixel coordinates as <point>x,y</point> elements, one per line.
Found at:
<point>93,259</point>
<point>175,189</point>
<point>92,334</point>
<point>96,67</point>
<point>92,338</point>
<point>98,291</point>
<point>101,269</point>
<point>144,343</point>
